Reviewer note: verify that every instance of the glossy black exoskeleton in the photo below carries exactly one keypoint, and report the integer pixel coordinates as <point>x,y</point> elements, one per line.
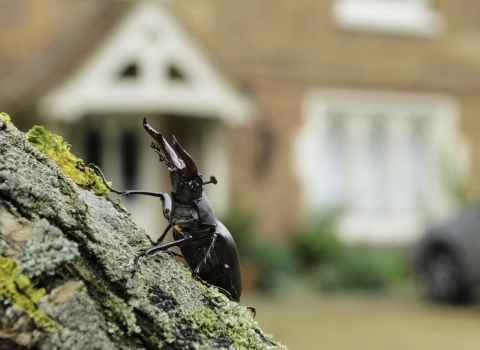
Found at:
<point>206,244</point>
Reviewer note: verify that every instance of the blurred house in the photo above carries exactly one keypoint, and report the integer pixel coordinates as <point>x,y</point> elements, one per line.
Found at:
<point>96,75</point>
<point>299,108</point>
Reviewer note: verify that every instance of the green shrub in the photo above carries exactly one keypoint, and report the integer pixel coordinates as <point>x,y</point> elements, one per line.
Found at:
<point>353,271</point>
<point>317,253</point>
<point>272,258</point>
<point>241,224</point>
<point>317,242</point>
<point>274,261</point>
<point>364,269</point>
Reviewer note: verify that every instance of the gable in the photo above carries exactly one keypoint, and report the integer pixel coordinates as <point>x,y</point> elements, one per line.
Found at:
<point>148,65</point>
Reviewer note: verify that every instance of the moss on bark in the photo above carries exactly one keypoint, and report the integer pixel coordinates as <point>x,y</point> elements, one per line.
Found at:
<point>83,245</point>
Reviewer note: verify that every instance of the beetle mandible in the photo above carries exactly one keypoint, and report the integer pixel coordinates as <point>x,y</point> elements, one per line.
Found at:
<point>205,243</point>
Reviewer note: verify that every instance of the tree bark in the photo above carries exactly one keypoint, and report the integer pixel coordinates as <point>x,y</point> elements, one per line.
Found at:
<point>65,257</point>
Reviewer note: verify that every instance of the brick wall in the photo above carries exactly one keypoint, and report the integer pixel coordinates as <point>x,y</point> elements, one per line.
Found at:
<point>278,50</point>
<point>274,50</point>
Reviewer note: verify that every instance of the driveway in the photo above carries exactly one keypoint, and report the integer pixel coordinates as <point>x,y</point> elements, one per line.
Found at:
<point>368,321</point>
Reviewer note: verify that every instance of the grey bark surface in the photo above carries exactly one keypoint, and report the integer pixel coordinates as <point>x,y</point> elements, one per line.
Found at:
<point>80,247</point>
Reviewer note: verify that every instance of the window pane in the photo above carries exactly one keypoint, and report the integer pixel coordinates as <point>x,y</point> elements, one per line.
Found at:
<point>93,147</point>
<point>335,151</point>
<point>130,71</point>
<point>376,167</point>
<point>129,152</point>
<point>417,168</point>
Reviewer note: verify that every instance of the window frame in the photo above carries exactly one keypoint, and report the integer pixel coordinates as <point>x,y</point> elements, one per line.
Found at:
<point>401,17</point>
<point>395,224</point>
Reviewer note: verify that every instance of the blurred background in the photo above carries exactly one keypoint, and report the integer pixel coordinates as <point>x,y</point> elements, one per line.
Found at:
<point>344,135</point>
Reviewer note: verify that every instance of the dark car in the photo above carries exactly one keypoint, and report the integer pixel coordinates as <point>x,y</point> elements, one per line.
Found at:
<point>447,259</point>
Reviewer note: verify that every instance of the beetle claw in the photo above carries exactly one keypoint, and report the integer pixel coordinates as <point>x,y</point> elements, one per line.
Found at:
<point>136,263</point>
<point>252,310</point>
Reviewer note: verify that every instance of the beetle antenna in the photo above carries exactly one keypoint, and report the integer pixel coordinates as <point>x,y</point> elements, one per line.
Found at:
<point>213,180</point>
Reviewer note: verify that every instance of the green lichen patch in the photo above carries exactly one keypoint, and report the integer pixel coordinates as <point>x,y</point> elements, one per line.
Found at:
<point>6,117</point>
<point>46,250</point>
<point>22,292</point>
<point>165,326</point>
<point>55,148</point>
<point>219,324</point>
<point>231,321</point>
<point>118,309</point>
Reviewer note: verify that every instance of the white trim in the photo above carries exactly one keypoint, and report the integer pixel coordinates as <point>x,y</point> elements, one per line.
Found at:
<point>217,163</point>
<point>400,17</point>
<point>150,36</point>
<point>396,222</point>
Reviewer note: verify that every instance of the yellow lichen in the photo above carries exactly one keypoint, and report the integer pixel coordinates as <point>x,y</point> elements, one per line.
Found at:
<point>6,117</point>
<point>55,148</point>
<point>22,292</point>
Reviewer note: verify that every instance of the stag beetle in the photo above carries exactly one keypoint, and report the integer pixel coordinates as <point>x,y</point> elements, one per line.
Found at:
<point>205,243</point>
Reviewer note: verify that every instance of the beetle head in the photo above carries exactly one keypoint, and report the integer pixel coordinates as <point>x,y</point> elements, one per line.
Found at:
<point>187,182</point>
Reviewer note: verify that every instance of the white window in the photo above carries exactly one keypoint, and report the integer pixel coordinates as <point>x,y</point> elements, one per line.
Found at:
<point>417,172</point>
<point>335,152</point>
<point>380,158</point>
<point>375,199</point>
<point>400,17</point>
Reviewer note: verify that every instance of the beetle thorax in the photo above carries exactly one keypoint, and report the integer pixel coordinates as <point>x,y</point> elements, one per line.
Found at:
<point>183,191</point>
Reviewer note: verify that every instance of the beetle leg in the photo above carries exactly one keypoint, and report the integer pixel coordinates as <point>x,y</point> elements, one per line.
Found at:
<point>125,192</point>
<point>175,253</point>
<point>226,271</point>
<point>99,172</point>
<point>220,289</point>
<point>164,246</point>
<point>265,339</point>
<point>196,272</point>
<point>252,310</point>
<point>166,201</point>
<point>132,271</point>
<point>207,254</point>
<point>162,237</point>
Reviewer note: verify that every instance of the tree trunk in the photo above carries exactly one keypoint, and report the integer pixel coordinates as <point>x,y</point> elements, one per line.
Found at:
<point>65,257</point>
